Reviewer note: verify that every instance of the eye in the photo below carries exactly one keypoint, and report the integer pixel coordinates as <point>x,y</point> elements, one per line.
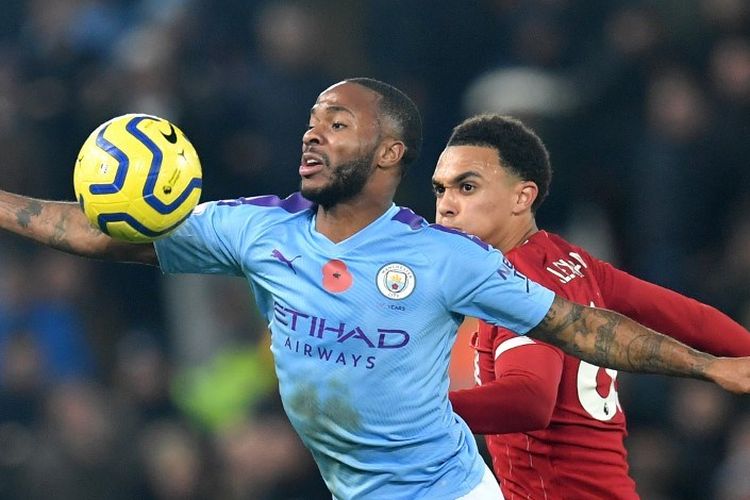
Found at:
<point>467,188</point>
<point>438,191</point>
<point>338,125</point>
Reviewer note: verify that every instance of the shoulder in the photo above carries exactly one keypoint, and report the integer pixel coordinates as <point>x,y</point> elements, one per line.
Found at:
<point>406,220</point>
<point>247,217</point>
<point>458,240</point>
<point>270,208</point>
<point>545,246</point>
<point>461,255</point>
<point>292,204</point>
<point>445,251</point>
<point>565,246</point>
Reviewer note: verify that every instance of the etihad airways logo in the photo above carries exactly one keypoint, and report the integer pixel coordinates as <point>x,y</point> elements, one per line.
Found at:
<point>320,327</point>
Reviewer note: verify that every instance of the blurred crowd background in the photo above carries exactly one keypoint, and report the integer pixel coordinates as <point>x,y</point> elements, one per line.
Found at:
<point>118,383</point>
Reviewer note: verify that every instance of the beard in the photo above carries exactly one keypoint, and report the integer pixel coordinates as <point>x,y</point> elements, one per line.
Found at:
<point>347,181</point>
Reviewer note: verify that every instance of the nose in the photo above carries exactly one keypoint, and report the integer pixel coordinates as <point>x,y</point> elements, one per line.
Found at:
<point>311,136</point>
<point>446,206</point>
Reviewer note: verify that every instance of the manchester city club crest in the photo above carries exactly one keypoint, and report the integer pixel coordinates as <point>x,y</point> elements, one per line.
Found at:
<point>395,281</point>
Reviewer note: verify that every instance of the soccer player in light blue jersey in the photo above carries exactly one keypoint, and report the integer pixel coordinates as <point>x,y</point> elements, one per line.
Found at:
<point>363,299</point>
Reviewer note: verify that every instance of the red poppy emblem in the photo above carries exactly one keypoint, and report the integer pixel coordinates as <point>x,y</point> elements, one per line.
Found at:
<point>336,276</point>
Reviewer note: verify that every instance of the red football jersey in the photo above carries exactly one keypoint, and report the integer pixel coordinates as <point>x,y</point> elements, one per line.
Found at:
<point>554,423</point>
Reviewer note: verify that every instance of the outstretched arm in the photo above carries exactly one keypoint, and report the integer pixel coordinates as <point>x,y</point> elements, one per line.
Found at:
<point>606,338</point>
<point>63,226</point>
<point>687,320</point>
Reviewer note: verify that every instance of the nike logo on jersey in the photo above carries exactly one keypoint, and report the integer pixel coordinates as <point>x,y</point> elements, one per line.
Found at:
<point>280,257</point>
<point>172,136</point>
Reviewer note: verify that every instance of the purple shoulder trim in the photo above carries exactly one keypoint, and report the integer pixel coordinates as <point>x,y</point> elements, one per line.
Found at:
<point>461,233</point>
<point>293,203</point>
<point>408,217</point>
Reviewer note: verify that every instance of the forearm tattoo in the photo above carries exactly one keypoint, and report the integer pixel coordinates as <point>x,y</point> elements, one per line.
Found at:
<point>608,339</point>
<point>605,338</point>
<point>24,215</point>
<point>53,224</point>
<point>59,236</point>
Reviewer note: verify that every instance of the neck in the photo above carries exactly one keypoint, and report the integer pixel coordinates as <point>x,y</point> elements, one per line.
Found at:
<point>343,220</point>
<point>517,236</point>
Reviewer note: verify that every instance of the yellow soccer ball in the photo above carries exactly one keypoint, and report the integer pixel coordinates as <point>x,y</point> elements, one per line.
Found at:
<point>137,177</point>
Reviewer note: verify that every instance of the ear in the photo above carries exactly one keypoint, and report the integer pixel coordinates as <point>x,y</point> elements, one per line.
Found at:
<point>526,193</point>
<point>390,153</point>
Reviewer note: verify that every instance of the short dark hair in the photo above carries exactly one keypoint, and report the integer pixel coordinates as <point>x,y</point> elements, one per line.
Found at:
<point>402,110</point>
<point>519,149</point>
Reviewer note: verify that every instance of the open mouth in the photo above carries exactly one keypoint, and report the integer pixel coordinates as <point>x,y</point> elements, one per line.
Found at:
<point>311,164</point>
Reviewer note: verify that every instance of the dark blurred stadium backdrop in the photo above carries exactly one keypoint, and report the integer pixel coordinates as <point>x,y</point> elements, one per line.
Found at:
<point>116,382</point>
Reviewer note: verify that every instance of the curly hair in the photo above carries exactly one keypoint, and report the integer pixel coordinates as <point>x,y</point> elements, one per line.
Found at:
<point>519,149</point>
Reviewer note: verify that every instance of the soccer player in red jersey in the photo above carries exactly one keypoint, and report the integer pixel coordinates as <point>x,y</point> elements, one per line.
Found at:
<point>554,424</point>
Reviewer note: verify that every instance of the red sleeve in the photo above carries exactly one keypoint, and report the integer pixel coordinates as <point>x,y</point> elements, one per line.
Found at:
<point>522,395</point>
<point>687,320</point>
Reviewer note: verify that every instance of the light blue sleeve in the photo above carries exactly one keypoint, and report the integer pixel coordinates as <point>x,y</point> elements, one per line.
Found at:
<point>479,281</point>
<point>205,243</point>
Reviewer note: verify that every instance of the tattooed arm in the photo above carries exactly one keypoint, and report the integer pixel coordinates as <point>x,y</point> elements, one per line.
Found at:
<point>63,226</point>
<point>608,339</point>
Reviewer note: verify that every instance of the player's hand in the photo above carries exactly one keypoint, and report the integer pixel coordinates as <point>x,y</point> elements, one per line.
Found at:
<point>732,374</point>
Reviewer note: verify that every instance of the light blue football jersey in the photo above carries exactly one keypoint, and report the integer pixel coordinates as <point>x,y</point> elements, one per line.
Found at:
<point>362,332</point>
